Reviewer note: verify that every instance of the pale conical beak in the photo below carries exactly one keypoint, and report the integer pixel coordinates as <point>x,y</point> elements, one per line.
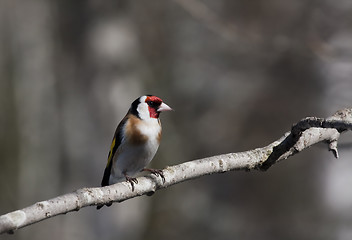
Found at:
<point>164,107</point>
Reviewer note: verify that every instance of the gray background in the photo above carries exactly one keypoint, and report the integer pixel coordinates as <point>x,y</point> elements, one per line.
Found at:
<point>238,73</point>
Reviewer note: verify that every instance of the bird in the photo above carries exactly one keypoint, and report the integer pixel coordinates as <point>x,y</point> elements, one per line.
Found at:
<point>135,142</point>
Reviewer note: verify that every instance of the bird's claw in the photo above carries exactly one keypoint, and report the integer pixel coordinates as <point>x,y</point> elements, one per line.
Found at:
<point>156,172</point>
<point>132,181</point>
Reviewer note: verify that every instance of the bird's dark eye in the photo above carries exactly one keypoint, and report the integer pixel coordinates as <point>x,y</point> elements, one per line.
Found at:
<point>152,104</point>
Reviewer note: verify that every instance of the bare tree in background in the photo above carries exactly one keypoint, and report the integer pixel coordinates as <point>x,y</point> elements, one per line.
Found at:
<point>237,73</point>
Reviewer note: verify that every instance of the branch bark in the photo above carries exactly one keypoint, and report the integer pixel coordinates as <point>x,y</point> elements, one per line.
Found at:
<point>304,134</point>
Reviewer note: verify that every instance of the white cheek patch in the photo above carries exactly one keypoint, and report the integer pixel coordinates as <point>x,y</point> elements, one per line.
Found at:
<point>143,111</point>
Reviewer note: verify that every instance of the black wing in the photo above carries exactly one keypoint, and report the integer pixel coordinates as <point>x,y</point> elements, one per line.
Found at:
<point>116,141</point>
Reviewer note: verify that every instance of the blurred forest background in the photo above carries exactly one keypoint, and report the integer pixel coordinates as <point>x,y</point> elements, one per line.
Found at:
<point>238,73</point>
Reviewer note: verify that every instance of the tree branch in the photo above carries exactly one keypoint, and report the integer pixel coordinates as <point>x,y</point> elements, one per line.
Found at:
<point>304,134</point>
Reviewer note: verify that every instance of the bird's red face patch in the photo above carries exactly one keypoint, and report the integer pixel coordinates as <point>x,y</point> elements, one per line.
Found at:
<point>153,104</point>
<point>153,99</point>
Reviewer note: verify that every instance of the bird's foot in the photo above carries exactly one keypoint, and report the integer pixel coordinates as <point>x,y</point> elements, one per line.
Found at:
<point>156,172</point>
<point>131,180</point>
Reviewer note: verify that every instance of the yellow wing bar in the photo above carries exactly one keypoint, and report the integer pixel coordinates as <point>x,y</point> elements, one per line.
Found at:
<point>111,151</point>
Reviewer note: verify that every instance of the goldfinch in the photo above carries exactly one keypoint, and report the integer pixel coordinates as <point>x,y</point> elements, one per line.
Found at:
<point>135,142</point>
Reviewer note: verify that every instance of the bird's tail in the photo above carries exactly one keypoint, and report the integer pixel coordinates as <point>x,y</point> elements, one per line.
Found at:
<point>105,182</point>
